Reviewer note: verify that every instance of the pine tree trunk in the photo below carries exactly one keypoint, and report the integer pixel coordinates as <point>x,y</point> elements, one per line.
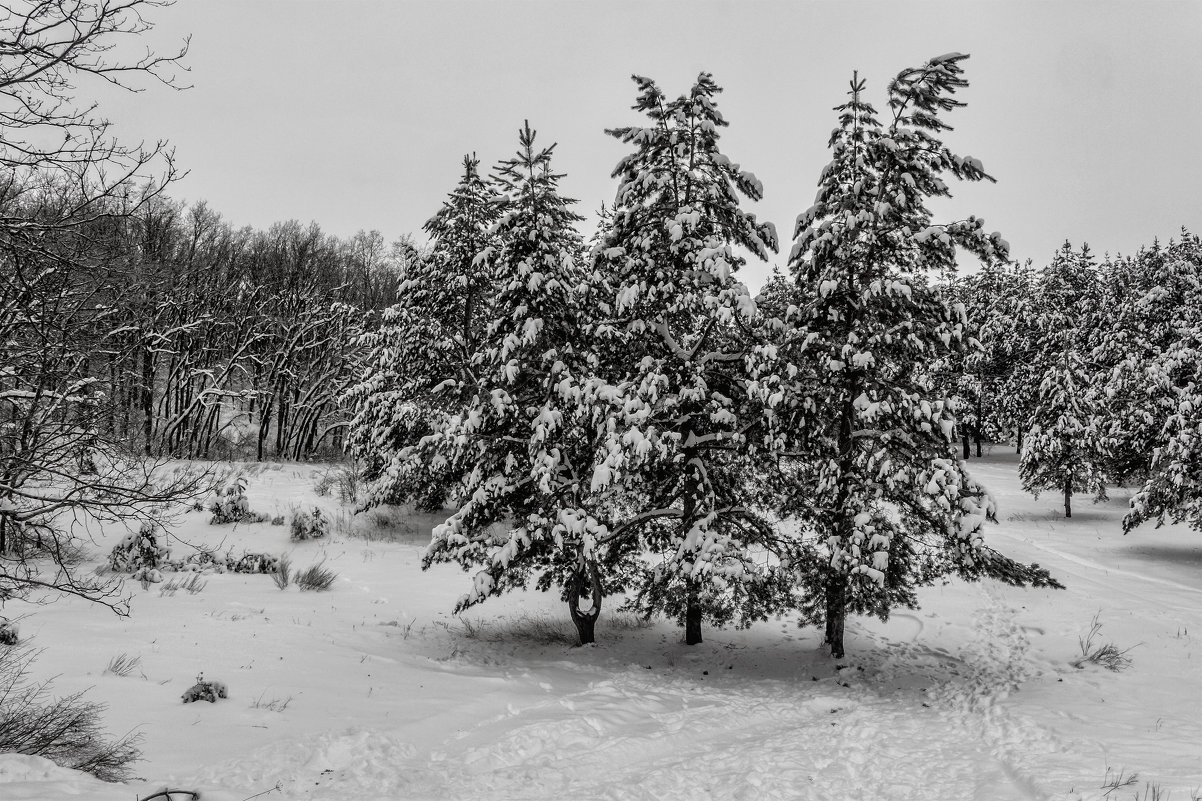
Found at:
<point>585,622</point>
<point>1068,497</point>
<point>836,582</point>
<point>836,613</point>
<point>964,441</point>
<point>1018,446</point>
<point>692,618</point>
<point>692,614</point>
<point>976,430</point>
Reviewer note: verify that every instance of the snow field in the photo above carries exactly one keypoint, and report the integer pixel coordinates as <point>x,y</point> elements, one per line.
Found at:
<point>387,696</point>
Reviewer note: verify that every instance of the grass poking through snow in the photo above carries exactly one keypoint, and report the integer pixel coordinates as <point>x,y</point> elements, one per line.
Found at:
<point>1108,655</point>
<point>283,573</point>
<point>124,665</point>
<point>315,578</point>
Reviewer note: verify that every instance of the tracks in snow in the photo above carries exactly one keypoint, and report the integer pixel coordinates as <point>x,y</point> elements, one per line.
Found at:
<point>637,734</point>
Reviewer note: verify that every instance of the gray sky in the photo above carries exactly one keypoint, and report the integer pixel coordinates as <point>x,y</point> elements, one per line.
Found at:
<point>357,114</point>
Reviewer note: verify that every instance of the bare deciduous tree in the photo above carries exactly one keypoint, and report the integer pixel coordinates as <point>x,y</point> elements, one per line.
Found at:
<point>66,185</point>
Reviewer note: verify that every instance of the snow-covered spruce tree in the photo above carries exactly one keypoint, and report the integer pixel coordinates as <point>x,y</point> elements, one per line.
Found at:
<point>1173,490</point>
<point>1151,299</point>
<point>1064,449</point>
<point>672,351</point>
<point>526,440</point>
<point>878,479</point>
<point>418,369</point>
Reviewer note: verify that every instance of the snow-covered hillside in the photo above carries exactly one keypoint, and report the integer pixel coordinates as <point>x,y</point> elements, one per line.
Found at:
<point>372,691</point>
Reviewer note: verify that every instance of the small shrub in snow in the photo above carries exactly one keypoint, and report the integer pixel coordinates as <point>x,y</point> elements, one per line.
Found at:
<point>233,507</point>
<point>324,483</point>
<point>316,578</point>
<point>147,576</point>
<point>9,631</point>
<point>278,520</point>
<point>205,691</point>
<point>283,572</point>
<point>1108,655</point>
<point>139,552</point>
<point>256,563</point>
<point>306,526</point>
<point>65,730</point>
<point>205,562</point>
<point>345,483</point>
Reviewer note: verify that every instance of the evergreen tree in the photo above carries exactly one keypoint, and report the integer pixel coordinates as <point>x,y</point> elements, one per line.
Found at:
<point>1173,379</point>
<point>525,439</point>
<point>419,366</point>
<point>891,505</point>
<point>672,350</point>
<point>1064,449</point>
<point>1151,302</point>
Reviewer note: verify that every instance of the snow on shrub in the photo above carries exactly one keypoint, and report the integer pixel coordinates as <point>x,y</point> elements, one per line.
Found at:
<point>256,563</point>
<point>306,526</point>
<point>231,506</point>
<point>201,562</point>
<point>205,691</point>
<point>137,553</point>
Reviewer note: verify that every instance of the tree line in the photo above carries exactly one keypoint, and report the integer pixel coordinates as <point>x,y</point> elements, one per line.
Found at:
<point>1090,366</point>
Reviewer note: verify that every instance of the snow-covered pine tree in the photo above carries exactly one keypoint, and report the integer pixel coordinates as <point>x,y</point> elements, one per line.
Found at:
<point>1149,300</point>
<point>418,370</point>
<point>890,503</point>
<point>1173,490</point>
<point>1064,449</point>
<point>526,437</point>
<point>672,352</point>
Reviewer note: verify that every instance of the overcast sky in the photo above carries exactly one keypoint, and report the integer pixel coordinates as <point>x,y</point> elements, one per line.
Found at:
<point>357,114</point>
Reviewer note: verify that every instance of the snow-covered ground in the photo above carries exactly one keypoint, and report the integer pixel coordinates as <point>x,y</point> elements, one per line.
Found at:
<point>388,697</point>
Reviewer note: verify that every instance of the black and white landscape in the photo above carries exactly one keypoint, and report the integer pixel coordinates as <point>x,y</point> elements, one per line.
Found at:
<point>626,496</point>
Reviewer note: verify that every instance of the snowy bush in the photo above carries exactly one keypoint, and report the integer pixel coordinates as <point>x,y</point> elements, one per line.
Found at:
<point>255,563</point>
<point>346,483</point>
<point>231,506</point>
<point>201,561</point>
<point>306,526</point>
<point>137,553</point>
<point>205,691</point>
<point>65,730</point>
<point>147,576</point>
